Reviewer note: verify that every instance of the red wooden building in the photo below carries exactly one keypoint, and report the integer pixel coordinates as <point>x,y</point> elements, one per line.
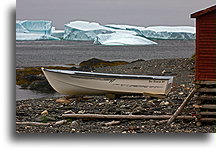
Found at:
<point>205,44</point>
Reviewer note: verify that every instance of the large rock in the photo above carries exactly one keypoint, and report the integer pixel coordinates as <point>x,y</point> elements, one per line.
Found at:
<point>41,85</point>
<point>93,63</point>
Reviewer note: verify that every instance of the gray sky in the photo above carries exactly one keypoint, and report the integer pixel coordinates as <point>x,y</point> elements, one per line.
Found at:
<point>132,12</point>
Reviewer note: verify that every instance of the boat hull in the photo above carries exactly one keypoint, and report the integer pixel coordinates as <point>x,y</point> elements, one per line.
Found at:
<point>76,83</point>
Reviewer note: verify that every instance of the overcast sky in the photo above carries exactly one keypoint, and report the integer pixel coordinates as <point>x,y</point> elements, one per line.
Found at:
<point>132,12</point>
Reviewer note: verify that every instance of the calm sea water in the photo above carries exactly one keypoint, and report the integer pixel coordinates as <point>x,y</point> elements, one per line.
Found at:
<point>22,94</point>
<point>41,53</point>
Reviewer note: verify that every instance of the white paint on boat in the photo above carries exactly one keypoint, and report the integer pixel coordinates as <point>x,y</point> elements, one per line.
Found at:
<point>91,83</point>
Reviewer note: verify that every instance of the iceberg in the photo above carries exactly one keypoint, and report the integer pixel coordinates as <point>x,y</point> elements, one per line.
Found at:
<point>87,31</point>
<point>121,39</point>
<point>57,33</point>
<point>169,32</point>
<point>34,36</point>
<point>34,26</point>
<point>20,27</point>
<point>34,30</point>
<point>136,29</point>
<point>83,30</point>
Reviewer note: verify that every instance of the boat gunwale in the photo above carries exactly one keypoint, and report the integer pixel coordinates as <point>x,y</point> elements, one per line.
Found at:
<point>107,75</point>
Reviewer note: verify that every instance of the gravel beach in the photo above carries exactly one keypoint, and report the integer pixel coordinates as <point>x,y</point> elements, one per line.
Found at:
<point>50,110</point>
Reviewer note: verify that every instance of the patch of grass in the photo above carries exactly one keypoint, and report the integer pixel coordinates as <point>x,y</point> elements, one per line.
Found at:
<point>193,57</point>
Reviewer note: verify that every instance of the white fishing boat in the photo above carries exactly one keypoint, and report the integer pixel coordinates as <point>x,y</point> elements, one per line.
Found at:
<point>90,83</point>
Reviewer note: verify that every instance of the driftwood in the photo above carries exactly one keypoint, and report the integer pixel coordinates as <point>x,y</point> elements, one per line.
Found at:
<point>32,123</point>
<point>112,123</point>
<point>205,82</point>
<point>207,90</point>
<point>210,106</point>
<point>206,97</point>
<point>181,107</point>
<point>207,119</point>
<point>208,113</point>
<point>39,123</point>
<point>101,116</point>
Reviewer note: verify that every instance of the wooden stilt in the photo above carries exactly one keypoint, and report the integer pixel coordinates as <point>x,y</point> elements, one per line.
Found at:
<point>181,107</point>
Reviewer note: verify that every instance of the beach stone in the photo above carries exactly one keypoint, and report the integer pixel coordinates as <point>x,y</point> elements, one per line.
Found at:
<point>181,93</point>
<point>45,112</point>
<point>81,112</point>
<point>164,103</point>
<point>74,123</point>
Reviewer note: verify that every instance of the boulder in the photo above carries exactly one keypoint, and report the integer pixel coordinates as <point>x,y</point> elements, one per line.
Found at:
<point>93,63</point>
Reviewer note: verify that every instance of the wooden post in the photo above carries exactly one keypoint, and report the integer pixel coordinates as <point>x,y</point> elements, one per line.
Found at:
<point>181,107</point>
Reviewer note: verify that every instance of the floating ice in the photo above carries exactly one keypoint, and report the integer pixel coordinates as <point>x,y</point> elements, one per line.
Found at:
<point>83,30</point>
<point>34,36</point>
<point>20,27</point>
<point>136,29</point>
<point>34,30</point>
<point>121,39</point>
<point>169,32</point>
<point>57,33</point>
<point>34,26</point>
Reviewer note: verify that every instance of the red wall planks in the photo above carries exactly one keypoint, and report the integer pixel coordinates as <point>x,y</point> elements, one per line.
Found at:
<point>206,44</point>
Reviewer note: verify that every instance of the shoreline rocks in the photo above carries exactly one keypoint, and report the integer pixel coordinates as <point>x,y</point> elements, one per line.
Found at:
<point>183,69</point>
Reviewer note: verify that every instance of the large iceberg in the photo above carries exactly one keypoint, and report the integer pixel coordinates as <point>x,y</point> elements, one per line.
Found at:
<point>57,33</point>
<point>160,32</point>
<point>169,32</point>
<point>92,31</point>
<point>34,30</point>
<point>121,39</point>
<point>136,29</point>
<point>83,30</point>
<point>34,26</point>
<point>34,37</point>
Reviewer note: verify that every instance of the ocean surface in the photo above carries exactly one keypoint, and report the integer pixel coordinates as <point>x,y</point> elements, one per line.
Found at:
<point>41,53</point>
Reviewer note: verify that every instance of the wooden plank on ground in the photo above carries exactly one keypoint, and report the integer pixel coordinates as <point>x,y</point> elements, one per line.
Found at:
<point>101,116</point>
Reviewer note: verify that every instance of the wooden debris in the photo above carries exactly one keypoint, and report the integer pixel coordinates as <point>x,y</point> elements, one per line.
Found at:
<point>207,119</point>
<point>208,113</point>
<point>181,107</point>
<point>40,123</point>
<point>207,90</point>
<point>62,101</point>
<point>207,97</point>
<point>112,123</point>
<point>101,116</point>
<point>205,82</point>
<point>32,123</point>
<point>208,106</point>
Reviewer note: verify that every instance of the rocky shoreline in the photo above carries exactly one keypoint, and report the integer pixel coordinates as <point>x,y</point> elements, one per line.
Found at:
<point>48,111</point>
